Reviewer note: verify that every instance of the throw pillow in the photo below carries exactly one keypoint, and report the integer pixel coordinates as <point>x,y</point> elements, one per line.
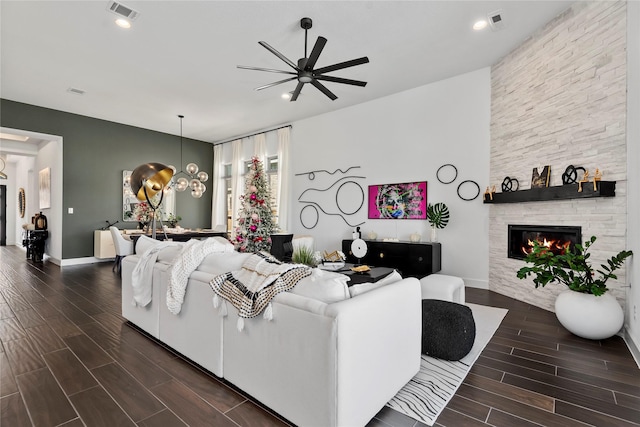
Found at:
<point>366,287</point>
<point>220,263</point>
<point>166,254</point>
<point>325,286</point>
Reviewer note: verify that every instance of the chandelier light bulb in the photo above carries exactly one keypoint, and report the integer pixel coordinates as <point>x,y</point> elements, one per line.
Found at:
<point>196,193</point>
<point>203,176</point>
<point>194,184</point>
<point>182,183</point>
<point>192,169</point>
<point>203,187</point>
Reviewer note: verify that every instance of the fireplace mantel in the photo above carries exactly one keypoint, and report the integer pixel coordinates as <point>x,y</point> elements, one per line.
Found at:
<point>561,192</point>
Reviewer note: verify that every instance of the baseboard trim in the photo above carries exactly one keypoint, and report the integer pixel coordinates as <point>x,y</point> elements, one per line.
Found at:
<point>476,283</point>
<point>79,261</point>
<point>633,347</point>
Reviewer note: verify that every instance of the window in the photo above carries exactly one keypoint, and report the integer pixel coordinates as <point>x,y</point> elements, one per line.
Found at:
<point>228,193</point>
<point>273,177</point>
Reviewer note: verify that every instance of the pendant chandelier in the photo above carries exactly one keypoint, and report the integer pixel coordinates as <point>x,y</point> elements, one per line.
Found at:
<point>192,178</point>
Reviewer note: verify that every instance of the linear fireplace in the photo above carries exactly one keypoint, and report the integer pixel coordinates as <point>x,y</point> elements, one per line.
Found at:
<point>556,237</point>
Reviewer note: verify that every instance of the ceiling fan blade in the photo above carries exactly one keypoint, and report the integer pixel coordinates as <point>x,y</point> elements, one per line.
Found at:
<point>341,65</point>
<point>271,70</point>
<point>322,88</point>
<point>276,83</point>
<point>279,55</point>
<point>341,80</point>
<point>296,92</point>
<point>315,53</point>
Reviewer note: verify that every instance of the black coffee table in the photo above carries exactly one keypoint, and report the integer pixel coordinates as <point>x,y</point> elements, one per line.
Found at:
<point>371,276</point>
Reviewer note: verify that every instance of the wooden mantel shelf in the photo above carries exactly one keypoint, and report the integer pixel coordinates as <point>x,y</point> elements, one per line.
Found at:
<point>561,192</point>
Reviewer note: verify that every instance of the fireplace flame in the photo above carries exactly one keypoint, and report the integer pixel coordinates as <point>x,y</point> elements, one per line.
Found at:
<point>553,245</point>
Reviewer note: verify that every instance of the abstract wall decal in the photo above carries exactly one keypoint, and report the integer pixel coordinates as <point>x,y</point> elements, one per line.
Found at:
<point>447,173</point>
<point>312,174</point>
<point>468,190</point>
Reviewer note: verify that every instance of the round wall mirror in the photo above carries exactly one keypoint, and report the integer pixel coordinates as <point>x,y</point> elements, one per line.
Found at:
<point>21,202</point>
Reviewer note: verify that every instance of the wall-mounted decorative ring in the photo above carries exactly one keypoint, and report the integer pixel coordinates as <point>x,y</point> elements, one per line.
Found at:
<point>455,172</point>
<point>570,175</point>
<point>361,200</point>
<point>508,185</point>
<point>317,217</point>
<point>468,181</point>
<point>21,202</point>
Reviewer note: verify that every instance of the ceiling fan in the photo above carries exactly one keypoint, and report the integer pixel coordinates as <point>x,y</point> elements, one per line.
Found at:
<point>304,71</point>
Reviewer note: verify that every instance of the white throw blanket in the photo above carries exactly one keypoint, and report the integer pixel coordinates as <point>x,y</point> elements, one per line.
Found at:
<point>142,276</point>
<point>186,262</point>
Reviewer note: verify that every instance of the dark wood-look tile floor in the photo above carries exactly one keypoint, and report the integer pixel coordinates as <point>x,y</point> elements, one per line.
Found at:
<point>69,359</point>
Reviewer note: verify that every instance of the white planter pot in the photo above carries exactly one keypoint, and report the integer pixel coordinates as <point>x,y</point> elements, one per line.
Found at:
<point>589,316</point>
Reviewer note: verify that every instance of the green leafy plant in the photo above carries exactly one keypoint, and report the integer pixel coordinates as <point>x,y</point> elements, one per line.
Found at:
<point>571,268</point>
<point>173,220</point>
<point>304,255</point>
<point>438,215</point>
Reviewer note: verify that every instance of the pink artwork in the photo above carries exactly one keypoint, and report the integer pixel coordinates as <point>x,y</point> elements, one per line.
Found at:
<point>398,201</point>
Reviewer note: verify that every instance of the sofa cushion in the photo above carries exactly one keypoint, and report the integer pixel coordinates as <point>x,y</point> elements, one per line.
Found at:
<point>325,286</point>
<point>366,287</point>
<point>220,263</point>
<point>165,255</point>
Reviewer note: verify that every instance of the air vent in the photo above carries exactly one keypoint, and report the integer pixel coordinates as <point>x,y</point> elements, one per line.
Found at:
<point>122,10</point>
<point>496,20</point>
<point>75,91</point>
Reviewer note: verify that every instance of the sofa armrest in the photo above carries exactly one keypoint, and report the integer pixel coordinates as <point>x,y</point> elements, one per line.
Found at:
<point>378,338</point>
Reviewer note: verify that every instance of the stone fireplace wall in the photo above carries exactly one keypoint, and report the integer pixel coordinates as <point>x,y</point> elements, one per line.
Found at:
<point>560,99</point>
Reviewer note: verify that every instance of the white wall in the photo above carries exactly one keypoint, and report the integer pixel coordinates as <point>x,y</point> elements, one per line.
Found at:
<point>50,156</point>
<point>633,174</point>
<point>24,168</point>
<point>402,138</point>
<point>12,203</point>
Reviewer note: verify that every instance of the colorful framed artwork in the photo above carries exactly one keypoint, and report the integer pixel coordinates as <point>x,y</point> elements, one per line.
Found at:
<point>398,201</point>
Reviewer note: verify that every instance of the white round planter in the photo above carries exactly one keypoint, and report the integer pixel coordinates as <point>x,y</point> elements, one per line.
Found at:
<point>589,316</point>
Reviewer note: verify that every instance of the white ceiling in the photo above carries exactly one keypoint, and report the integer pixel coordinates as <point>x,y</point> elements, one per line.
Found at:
<point>180,57</point>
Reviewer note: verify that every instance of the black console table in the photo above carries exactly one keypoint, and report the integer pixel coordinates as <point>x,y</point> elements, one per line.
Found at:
<point>411,259</point>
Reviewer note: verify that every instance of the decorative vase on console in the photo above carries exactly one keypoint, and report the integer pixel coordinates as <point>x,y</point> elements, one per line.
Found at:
<point>438,217</point>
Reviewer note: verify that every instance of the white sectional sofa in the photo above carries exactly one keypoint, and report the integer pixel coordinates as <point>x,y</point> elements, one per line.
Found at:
<point>316,363</point>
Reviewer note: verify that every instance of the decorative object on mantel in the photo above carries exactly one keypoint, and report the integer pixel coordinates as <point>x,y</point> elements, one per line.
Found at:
<point>585,178</point>
<point>597,177</point>
<point>509,184</point>
<point>194,179</point>
<point>467,183</point>
<point>570,175</point>
<point>540,180</point>
<point>585,310</point>
<point>489,192</point>
<point>446,172</point>
<point>438,217</point>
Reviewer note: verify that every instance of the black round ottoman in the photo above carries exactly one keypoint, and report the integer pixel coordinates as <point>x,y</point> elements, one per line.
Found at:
<point>448,329</point>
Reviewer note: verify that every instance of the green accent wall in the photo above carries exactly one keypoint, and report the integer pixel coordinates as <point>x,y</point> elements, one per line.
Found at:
<point>95,152</point>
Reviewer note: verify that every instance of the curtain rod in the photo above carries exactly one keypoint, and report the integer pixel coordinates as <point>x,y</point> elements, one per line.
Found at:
<point>253,134</point>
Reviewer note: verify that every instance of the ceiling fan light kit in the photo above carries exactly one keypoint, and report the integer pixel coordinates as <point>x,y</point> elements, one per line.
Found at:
<point>304,71</point>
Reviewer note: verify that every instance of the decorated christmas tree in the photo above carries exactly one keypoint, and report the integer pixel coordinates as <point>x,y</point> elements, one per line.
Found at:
<point>255,220</point>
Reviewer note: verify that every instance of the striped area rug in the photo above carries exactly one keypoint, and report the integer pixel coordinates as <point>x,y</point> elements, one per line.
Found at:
<point>427,394</point>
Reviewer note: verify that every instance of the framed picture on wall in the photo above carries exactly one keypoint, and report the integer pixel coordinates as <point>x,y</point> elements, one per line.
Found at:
<point>44,188</point>
<point>406,200</point>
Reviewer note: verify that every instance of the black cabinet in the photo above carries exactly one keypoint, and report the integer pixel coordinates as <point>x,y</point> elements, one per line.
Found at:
<point>34,241</point>
<point>409,258</point>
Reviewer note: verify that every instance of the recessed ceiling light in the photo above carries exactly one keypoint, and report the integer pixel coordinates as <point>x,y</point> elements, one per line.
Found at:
<point>286,95</point>
<point>480,25</point>
<point>123,23</point>
<point>75,91</point>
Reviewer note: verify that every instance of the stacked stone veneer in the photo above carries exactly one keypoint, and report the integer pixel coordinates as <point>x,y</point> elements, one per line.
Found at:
<point>560,99</point>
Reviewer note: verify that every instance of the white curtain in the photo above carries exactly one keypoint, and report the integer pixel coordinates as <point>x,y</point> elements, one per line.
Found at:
<point>284,183</point>
<point>260,148</point>
<point>218,213</point>
<point>236,182</point>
